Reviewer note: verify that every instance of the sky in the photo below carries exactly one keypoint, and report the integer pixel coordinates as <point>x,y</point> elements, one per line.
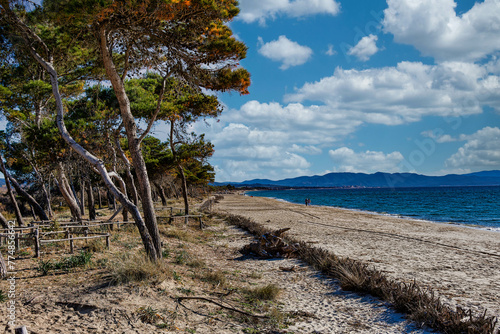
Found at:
<point>361,86</point>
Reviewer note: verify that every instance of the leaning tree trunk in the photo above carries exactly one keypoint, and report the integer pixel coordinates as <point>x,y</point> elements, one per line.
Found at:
<point>67,193</point>
<point>19,216</point>
<point>134,143</point>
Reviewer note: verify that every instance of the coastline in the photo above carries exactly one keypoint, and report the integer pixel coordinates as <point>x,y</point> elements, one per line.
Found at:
<point>457,262</point>
<point>387,214</point>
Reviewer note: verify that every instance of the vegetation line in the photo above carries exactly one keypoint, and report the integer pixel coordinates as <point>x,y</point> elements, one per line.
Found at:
<point>421,305</point>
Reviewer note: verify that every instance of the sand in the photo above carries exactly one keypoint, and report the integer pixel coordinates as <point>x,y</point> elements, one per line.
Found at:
<point>461,264</point>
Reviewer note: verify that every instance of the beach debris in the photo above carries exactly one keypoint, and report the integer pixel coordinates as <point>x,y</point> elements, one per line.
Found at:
<point>270,245</point>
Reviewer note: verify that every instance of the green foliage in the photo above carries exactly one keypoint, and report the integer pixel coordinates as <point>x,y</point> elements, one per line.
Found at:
<point>3,297</point>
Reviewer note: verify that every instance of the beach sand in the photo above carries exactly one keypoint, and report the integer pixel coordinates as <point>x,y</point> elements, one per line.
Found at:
<point>461,264</point>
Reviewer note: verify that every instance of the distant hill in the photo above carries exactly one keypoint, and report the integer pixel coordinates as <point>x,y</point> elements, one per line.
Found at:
<point>378,180</point>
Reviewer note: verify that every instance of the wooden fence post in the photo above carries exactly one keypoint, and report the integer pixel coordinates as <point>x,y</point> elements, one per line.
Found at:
<point>70,237</point>
<point>107,241</point>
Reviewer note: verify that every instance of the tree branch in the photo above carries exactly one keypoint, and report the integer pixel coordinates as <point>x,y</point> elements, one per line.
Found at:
<point>179,299</point>
<point>158,107</point>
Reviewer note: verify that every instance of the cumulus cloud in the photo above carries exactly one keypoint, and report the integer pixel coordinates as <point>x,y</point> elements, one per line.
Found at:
<point>260,11</point>
<point>434,28</point>
<point>481,151</point>
<point>346,160</point>
<point>288,52</point>
<point>405,93</point>
<point>365,48</point>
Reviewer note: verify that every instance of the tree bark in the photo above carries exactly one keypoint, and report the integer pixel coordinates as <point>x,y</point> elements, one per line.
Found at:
<point>133,141</point>
<point>38,209</point>
<point>82,196</point>
<point>3,221</point>
<point>161,192</point>
<point>19,216</point>
<point>90,201</point>
<point>67,193</point>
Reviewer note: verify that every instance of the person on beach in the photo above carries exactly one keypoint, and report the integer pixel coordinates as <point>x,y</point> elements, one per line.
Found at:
<point>307,201</point>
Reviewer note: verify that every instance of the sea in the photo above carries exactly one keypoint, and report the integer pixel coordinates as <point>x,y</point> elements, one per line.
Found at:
<point>471,206</point>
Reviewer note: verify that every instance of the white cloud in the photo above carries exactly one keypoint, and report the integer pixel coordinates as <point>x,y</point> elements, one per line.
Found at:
<point>258,10</point>
<point>288,52</point>
<point>480,152</point>
<point>433,27</point>
<point>367,162</point>
<point>331,51</point>
<point>309,149</point>
<point>405,93</point>
<point>365,48</point>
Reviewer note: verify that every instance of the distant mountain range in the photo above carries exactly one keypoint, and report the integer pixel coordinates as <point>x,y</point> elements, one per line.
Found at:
<point>377,180</point>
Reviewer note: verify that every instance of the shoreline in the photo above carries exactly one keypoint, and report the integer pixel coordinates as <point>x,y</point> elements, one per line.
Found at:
<point>394,215</point>
<point>458,263</point>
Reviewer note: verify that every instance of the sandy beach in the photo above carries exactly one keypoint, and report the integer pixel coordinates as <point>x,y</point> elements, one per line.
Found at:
<point>461,264</point>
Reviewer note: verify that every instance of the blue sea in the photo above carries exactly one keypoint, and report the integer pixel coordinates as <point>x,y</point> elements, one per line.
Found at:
<point>473,206</point>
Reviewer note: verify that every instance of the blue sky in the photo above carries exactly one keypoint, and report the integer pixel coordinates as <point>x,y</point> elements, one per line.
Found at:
<point>362,86</point>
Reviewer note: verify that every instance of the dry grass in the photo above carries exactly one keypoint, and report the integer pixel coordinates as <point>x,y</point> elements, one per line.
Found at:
<point>215,278</point>
<point>421,305</point>
<point>268,292</point>
<point>136,267</point>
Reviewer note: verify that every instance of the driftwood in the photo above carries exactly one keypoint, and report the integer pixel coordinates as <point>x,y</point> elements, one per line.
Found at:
<point>271,245</point>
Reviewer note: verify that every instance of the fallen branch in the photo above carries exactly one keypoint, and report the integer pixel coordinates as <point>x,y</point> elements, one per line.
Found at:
<point>179,299</point>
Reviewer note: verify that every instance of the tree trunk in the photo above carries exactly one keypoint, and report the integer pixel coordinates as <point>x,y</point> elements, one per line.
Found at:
<point>66,192</point>
<point>161,192</point>
<point>19,217</point>
<point>130,177</point>
<point>111,201</point>
<point>99,197</point>
<point>38,209</point>
<point>133,142</point>
<point>82,197</point>
<point>90,200</point>
<point>184,189</point>
<point>3,221</point>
